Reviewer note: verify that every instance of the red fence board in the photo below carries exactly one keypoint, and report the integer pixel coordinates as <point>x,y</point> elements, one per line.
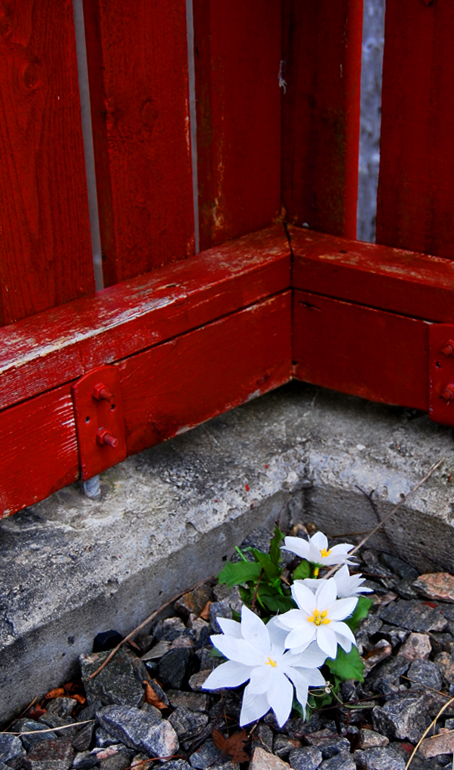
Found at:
<point>402,281</point>
<point>39,449</point>
<point>416,192</point>
<point>63,344</point>
<point>46,251</point>
<point>359,350</point>
<point>237,59</point>
<point>137,60</point>
<point>320,128</point>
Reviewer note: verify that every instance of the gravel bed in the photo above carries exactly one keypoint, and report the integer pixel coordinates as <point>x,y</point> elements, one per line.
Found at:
<point>147,709</point>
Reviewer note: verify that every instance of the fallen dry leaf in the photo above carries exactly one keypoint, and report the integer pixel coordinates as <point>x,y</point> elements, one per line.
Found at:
<point>232,747</point>
<point>152,697</point>
<point>59,692</point>
<point>205,614</point>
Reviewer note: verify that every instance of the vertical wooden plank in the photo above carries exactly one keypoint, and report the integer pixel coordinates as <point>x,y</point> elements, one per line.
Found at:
<point>320,123</point>
<point>45,235</point>
<point>137,61</point>
<point>416,192</point>
<point>237,60</point>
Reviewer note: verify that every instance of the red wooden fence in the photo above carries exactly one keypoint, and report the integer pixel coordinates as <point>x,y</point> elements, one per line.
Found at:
<point>277,103</point>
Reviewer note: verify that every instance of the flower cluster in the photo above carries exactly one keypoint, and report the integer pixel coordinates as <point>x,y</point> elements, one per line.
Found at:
<point>283,657</point>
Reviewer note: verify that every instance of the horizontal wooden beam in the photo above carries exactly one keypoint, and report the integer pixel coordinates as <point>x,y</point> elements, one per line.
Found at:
<point>59,345</point>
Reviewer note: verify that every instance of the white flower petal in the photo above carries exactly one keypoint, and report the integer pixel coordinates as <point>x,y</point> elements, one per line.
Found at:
<point>230,674</point>
<point>297,545</point>
<point>314,677</point>
<point>290,619</point>
<point>342,608</point>
<point>301,636</point>
<point>280,697</point>
<point>276,633</point>
<point>341,629</point>
<point>312,657</point>
<point>301,685</point>
<point>344,643</point>
<point>311,583</point>
<point>260,679</point>
<point>304,597</point>
<point>326,594</point>
<point>327,641</point>
<point>230,627</point>
<point>319,541</point>
<point>253,707</point>
<point>236,649</point>
<point>340,553</point>
<point>254,630</point>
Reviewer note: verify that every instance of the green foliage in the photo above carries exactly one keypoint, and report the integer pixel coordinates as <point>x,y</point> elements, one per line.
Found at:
<point>237,573</point>
<point>361,611</point>
<point>346,665</point>
<point>303,571</point>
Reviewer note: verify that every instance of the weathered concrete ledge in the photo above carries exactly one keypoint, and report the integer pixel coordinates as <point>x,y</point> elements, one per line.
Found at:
<point>72,567</point>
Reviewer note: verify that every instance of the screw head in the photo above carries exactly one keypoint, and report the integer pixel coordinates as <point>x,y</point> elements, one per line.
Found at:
<point>101,393</point>
<point>104,436</point>
<point>447,393</point>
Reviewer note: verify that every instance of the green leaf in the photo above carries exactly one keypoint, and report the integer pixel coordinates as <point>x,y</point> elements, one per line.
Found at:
<point>360,612</point>
<point>274,602</point>
<point>271,570</point>
<point>275,551</point>
<point>302,571</point>
<point>239,573</point>
<point>346,665</point>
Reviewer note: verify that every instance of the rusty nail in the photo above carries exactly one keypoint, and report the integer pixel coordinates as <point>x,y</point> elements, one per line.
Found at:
<point>104,436</point>
<point>447,393</point>
<point>101,393</point>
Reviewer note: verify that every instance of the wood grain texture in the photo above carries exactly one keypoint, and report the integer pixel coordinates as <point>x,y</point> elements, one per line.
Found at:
<point>175,386</point>
<point>320,119</point>
<point>416,192</point>
<point>45,244</point>
<point>237,60</point>
<point>39,450</point>
<point>137,60</point>
<point>405,282</point>
<point>166,390</point>
<point>62,344</point>
<point>360,350</point>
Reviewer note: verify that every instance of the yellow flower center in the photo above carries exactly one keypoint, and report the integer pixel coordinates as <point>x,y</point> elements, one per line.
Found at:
<point>319,618</point>
<point>325,553</point>
<point>271,662</point>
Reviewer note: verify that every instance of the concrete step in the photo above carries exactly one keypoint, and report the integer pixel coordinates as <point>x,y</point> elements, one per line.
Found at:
<point>170,516</point>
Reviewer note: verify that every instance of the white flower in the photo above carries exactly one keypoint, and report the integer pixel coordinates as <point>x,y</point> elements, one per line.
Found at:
<point>256,652</point>
<point>317,619</point>
<point>347,585</point>
<point>316,550</point>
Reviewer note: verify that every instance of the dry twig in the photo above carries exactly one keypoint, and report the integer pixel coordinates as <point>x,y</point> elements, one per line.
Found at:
<point>432,724</point>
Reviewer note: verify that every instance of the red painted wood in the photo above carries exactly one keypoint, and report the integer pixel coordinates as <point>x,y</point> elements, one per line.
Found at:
<point>359,350</point>
<point>401,281</point>
<point>63,344</point>
<point>179,384</point>
<point>39,449</point>
<point>166,390</point>
<point>46,251</point>
<point>416,194</point>
<point>238,53</point>
<point>137,59</point>
<point>441,373</point>
<point>320,129</point>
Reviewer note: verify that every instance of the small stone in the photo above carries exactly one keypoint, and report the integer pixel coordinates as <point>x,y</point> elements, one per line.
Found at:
<point>262,736</point>
<point>187,724</point>
<point>386,679</point>
<point>50,755</point>
<point>306,758</point>
<point>103,738</point>
<point>379,758</point>
<point>205,756</point>
<point>369,739</point>
<point>340,762</point>
<point>394,634</point>
<point>139,730</point>
<point>328,742</point>
<point>219,610</point>
<point>231,595</point>
<point>10,747</point>
<point>84,738</point>
<point>142,762</point>
<point>416,647</point>
<point>405,588</point>
<point>190,700</point>
<point>52,720</point>
<point>437,585</point>
<point>121,761</point>
<point>398,566</point>
<point>443,743</point>
<point>377,654</point>
<point>174,764</point>
<point>157,651</point>
<point>173,666</point>
<point>196,681</point>
<point>62,707</point>
<point>200,631</point>
<point>84,760</point>
<point>30,726</point>
<point>402,717</point>
<point>426,673</point>
<point>116,684</point>
<point>414,615</point>
<point>445,663</point>
<point>194,601</point>
<point>262,760</point>
<point>169,629</point>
